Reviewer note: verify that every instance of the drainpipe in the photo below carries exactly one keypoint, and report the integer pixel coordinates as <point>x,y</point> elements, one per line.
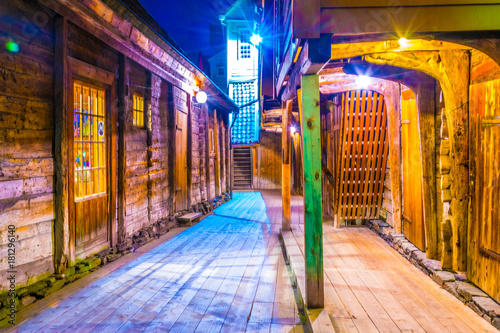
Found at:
<point>231,143</point>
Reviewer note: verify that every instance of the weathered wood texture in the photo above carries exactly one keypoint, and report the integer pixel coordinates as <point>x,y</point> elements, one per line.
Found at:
<point>362,155</point>
<point>483,267</point>
<point>267,161</point>
<point>413,214</point>
<point>26,139</point>
<point>286,163</point>
<point>198,129</point>
<point>450,68</point>
<point>369,288</point>
<point>313,215</point>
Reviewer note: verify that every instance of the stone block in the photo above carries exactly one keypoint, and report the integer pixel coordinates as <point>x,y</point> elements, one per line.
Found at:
<point>94,262</point>
<point>50,280</point>
<point>431,265</point>
<point>446,181</point>
<point>441,277</point>
<point>69,271</point>
<point>418,256</point>
<point>395,236</point>
<point>50,289</point>
<point>77,276</point>
<point>33,288</point>
<point>451,287</point>
<point>475,308</point>
<point>25,301</point>
<point>468,291</point>
<point>487,305</point>
<point>496,322</point>
<point>81,267</point>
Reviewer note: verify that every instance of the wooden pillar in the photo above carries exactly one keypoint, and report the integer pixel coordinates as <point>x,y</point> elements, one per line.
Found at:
<point>393,101</point>
<point>123,96</point>
<point>61,222</point>
<point>204,110</point>
<point>313,216</point>
<point>217,156</point>
<point>426,99</point>
<point>286,165</point>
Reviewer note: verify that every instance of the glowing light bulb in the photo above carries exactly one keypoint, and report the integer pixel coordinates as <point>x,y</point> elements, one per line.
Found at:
<point>255,39</point>
<point>363,81</point>
<point>12,47</point>
<point>403,42</point>
<point>292,130</point>
<point>201,97</point>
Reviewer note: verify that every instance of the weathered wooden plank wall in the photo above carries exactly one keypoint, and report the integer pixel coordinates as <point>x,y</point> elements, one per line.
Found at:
<point>483,264</point>
<point>26,138</point>
<point>143,193</point>
<point>267,161</point>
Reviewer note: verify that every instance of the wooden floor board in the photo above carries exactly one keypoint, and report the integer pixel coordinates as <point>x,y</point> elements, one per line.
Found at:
<point>225,273</point>
<point>369,287</point>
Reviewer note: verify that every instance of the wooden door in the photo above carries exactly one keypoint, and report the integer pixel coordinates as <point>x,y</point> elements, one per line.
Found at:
<point>89,179</point>
<point>362,155</point>
<point>484,224</point>
<point>413,209</point>
<point>181,166</point>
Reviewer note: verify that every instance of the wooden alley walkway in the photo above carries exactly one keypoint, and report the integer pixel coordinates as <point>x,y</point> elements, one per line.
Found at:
<point>369,287</point>
<point>225,274</point>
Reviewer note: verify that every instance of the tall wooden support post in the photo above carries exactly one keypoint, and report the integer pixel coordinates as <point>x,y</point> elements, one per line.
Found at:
<point>217,156</point>
<point>313,216</point>
<point>393,100</point>
<point>426,100</point>
<point>61,223</point>
<point>123,104</point>
<point>286,165</point>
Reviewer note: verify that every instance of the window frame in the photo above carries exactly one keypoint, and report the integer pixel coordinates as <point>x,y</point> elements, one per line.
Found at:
<point>136,111</point>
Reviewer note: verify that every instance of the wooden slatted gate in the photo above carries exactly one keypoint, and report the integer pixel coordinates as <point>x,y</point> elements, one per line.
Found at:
<point>362,155</point>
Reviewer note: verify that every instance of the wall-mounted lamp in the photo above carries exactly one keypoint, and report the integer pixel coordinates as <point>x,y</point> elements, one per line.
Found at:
<point>292,130</point>
<point>363,81</point>
<point>403,42</point>
<point>256,39</point>
<point>201,97</point>
<point>12,46</point>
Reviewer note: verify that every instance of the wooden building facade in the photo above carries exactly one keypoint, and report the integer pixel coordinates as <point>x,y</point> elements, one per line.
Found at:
<point>399,121</point>
<point>101,134</point>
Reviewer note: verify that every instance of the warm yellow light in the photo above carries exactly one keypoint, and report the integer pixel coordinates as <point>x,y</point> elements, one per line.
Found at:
<point>403,42</point>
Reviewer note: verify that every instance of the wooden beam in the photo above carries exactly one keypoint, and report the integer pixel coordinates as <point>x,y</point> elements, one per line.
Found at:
<point>451,69</point>
<point>123,104</point>
<point>426,117</point>
<point>216,162</point>
<point>313,214</point>
<point>286,164</point>
<point>393,103</point>
<point>401,19</point>
<point>61,87</point>
<point>300,68</point>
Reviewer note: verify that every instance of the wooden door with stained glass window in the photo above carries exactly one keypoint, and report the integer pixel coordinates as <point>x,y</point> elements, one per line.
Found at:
<point>90,168</point>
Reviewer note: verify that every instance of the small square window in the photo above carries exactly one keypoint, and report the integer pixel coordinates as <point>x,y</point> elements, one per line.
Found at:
<point>138,110</point>
<point>221,71</point>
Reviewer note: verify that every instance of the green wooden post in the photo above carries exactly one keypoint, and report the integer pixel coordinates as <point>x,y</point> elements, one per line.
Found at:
<point>313,215</point>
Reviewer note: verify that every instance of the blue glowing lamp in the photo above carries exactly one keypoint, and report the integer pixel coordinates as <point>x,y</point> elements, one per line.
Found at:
<point>255,39</point>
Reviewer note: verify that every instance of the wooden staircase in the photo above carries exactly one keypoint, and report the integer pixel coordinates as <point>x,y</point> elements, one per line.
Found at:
<point>242,168</point>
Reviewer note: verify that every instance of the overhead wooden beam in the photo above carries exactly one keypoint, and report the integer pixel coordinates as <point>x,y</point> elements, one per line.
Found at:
<point>309,102</point>
<point>61,88</point>
<point>451,69</point>
<point>286,164</point>
<point>401,20</point>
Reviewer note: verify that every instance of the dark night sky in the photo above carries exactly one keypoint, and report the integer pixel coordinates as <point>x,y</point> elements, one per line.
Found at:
<point>188,21</point>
